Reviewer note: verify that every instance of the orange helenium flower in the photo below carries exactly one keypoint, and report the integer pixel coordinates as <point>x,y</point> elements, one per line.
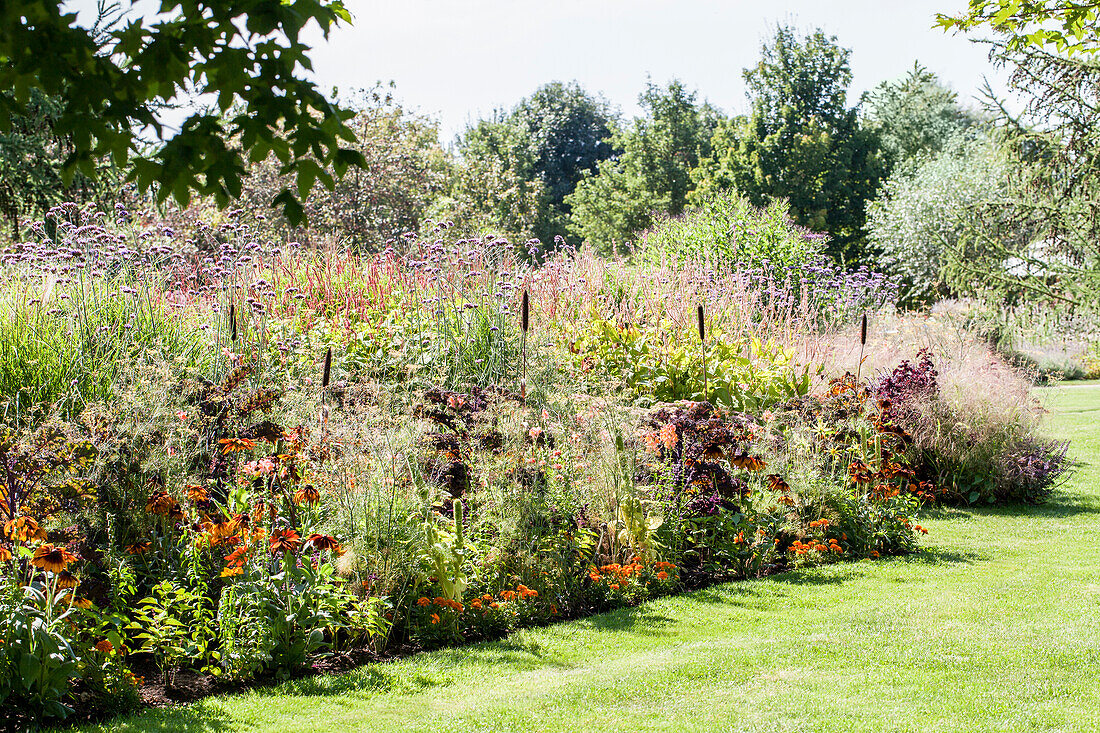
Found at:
<point>325,542</point>
<point>162,503</point>
<point>236,445</point>
<point>5,554</point>
<point>50,558</point>
<point>138,548</point>
<point>24,529</point>
<point>308,494</point>
<point>284,540</point>
<point>197,494</point>
<point>776,483</point>
<point>65,579</point>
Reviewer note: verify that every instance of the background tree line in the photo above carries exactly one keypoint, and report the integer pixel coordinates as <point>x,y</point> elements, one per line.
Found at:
<point>951,200</point>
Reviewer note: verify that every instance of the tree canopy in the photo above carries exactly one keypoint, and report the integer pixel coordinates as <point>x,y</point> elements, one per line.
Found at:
<point>1063,26</point>
<point>915,115</point>
<point>801,141</point>
<point>652,175</point>
<point>113,85</point>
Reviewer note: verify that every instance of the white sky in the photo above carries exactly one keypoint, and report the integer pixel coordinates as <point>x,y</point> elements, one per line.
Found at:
<point>457,60</point>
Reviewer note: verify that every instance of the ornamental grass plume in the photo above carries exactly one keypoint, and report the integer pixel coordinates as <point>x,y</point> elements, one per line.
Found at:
<point>524,324</point>
<point>703,347</point>
<point>862,344</point>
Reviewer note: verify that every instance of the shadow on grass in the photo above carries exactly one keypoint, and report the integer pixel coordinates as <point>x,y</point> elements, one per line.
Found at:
<point>940,556</point>
<point>193,718</point>
<point>637,620</point>
<point>418,672</point>
<point>1060,505</point>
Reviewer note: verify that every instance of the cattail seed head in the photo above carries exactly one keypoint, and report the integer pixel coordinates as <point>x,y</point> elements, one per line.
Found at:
<point>526,312</point>
<point>233,320</point>
<point>702,326</point>
<point>863,331</point>
<point>328,368</point>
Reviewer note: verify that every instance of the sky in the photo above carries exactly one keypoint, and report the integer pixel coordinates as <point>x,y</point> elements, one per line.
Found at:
<point>459,60</point>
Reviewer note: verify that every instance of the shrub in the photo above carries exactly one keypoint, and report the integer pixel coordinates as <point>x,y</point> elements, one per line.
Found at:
<point>975,428</point>
<point>727,231</point>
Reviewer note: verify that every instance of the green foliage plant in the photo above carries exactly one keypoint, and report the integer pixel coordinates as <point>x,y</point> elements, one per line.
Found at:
<point>725,230</point>
<point>746,375</point>
<point>174,625</point>
<point>37,661</point>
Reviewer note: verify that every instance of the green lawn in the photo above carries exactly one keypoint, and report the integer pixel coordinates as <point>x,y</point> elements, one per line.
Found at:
<point>994,628</point>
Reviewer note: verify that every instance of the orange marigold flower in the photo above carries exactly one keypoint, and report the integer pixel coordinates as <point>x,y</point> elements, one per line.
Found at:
<point>24,529</point>
<point>486,597</point>
<point>507,594</point>
<point>232,570</point>
<point>435,618</point>
<point>423,602</point>
<point>476,604</point>
<point>308,494</point>
<point>874,553</point>
<point>236,445</point>
<point>53,559</point>
<point>284,540</point>
<point>494,604</point>
<point>104,646</point>
<point>614,586</point>
<point>662,575</point>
